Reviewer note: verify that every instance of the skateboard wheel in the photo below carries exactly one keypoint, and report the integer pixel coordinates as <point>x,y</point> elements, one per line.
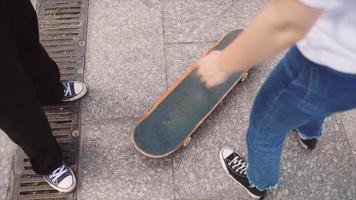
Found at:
<point>187,141</point>
<point>244,77</point>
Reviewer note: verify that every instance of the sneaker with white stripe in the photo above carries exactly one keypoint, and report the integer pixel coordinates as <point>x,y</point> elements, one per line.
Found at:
<point>235,166</point>
<point>73,90</point>
<point>62,179</point>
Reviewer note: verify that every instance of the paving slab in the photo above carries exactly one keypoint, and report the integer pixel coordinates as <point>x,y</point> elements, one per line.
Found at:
<point>112,169</point>
<point>179,57</point>
<point>7,152</point>
<point>324,173</point>
<point>200,20</point>
<point>349,119</point>
<point>125,69</point>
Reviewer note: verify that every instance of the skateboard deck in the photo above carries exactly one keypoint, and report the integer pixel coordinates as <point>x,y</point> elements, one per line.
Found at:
<point>169,124</point>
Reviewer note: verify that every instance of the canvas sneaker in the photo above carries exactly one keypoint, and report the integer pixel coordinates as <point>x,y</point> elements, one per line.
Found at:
<point>62,179</point>
<point>235,166</point>
<point>308,144</point>
<point>73,90</point>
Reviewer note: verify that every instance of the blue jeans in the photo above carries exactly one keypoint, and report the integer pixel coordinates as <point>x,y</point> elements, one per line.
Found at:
<point>298,94</point>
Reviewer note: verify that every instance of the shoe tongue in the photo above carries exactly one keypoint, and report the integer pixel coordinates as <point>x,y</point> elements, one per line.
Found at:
<point>69,86</point>
<point>232,156</point>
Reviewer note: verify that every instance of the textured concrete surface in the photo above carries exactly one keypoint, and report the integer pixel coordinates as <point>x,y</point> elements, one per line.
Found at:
<point>125,72</point>
<point>112,169</point>
<point>178,33</point>
<point>179,57</point>
<point>125,59</point>
<point>7,151</point>
<point>200,20</point>
<point>138,48</point>
<point>324,173</point>
<point>349,119</point>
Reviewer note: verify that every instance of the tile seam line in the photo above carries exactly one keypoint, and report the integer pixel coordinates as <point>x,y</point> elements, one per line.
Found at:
<point>166,86</point>
<point>81,139</point>
<point>189,42</point>
<point>164,45</point>
<point>347,139</point>
<point>110,120</point>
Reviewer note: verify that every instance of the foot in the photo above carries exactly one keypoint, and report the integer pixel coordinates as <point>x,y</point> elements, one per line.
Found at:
<point>236,168</point>
<point>62,179</point>
<point>308,144</point>
<point>73,90</point>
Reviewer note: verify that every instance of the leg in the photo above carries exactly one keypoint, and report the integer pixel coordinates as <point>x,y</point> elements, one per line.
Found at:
<point>42,70</point>
<point>21,115</point>
<point>303,101</point>
<point>278,108</point>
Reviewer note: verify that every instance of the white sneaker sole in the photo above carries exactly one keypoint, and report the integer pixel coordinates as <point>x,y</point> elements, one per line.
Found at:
<point>301,142</point>
<point>80,95</point>
<point>227,172</point>
<point>67,190</point>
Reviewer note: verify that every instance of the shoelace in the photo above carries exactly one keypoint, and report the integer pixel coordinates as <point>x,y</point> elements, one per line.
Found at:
<point>239,165</point>
<point>58,173</point>
<point>67,90</point>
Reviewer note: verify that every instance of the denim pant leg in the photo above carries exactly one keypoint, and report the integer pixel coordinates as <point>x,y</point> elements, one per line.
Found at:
<point>312,129</point>
<point>298,94</point>
<point>277,110</point>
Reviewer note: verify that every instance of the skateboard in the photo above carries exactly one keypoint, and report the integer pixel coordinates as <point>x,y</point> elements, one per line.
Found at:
<point>169,124</point>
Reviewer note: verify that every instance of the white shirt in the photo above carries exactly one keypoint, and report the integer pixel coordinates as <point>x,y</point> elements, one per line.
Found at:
<point>332,40</point>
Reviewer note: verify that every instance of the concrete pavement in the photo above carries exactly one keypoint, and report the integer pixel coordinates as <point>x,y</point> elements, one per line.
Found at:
<point>136,49</point>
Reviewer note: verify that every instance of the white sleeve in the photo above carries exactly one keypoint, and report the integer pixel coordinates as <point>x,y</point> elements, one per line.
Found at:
<point>323,4</point>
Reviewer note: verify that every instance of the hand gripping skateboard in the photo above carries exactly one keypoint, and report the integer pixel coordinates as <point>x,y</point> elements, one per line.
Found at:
<point>169,124</point>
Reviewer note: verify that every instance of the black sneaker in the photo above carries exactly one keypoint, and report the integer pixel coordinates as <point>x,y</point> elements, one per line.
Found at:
<point>73,90</point>
<point>309,144</point>
<point>236,168</point>
<point>62,179</point>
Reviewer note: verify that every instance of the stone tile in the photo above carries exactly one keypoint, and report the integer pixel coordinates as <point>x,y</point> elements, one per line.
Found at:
<point>349,119</point>
<point>199,20</point>
<point>7,152</point>
<point>125,69</point>
<point>112,169</point>
<point>179,57</point>
<point>324,173</point>
<point>225,127</point>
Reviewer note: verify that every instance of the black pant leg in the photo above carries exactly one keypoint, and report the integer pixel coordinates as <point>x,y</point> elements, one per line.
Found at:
<point>21,115</point>
<point>42,70</point>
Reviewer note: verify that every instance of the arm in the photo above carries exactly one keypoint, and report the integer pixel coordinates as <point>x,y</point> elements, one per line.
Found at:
<point>279,26</point>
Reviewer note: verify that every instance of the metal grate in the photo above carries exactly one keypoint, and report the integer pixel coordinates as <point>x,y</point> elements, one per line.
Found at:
<point>63,26</point>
